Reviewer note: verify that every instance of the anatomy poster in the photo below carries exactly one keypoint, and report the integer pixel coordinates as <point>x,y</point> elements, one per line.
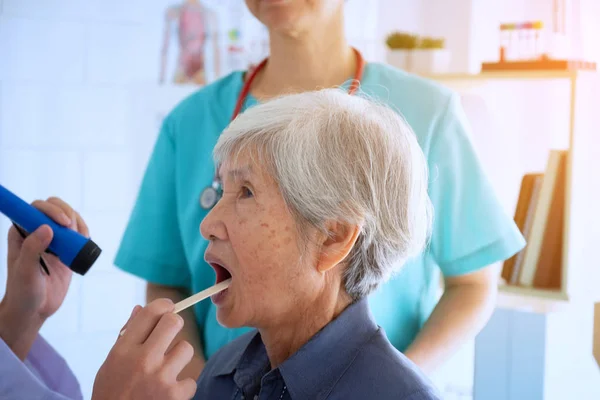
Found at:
<point>205,40</point>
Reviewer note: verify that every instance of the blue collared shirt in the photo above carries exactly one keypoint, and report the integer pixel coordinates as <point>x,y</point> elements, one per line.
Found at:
<point>350,358</point>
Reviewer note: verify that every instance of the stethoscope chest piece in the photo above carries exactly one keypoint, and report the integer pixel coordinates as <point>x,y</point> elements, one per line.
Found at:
<point>210,196</point>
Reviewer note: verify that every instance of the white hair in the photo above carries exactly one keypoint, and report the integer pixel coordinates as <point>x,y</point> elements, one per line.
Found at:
<point>344,158</point>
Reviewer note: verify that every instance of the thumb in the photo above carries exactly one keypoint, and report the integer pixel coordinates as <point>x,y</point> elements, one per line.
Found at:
<point>35,244</point>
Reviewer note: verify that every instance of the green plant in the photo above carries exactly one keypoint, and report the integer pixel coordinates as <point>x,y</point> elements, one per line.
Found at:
<point>402,40</point>
<point>431,43</point>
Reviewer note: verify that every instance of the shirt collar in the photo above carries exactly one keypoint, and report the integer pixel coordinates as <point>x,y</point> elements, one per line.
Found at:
<point>243,345</point>
<point>314,369</point>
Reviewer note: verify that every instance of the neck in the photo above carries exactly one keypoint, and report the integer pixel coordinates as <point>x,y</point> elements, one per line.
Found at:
<point>303,62</point>
<point>286,338</point>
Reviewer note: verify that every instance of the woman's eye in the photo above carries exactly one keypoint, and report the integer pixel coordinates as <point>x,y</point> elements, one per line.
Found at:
<point>246,192</point>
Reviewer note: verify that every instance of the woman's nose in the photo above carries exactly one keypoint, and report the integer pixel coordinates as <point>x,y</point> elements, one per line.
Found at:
<point>212,226</point>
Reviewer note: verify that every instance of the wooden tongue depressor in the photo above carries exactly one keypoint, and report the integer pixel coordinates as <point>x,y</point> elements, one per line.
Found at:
<point>206,293</point>
<point>190,301</point>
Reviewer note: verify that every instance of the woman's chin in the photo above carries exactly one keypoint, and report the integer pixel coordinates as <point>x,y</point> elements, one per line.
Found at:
<point>228,314</point>
<point>228,319</point>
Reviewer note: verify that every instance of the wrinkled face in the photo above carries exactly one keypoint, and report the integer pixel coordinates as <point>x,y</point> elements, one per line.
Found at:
<point>292,16</point>
<point>254,240</point>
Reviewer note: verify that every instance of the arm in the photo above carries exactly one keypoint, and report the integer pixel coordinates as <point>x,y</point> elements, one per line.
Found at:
<point>17,333</point>
<point>471,232</point>
<point>189,332</point>
<point>464,308</point>
<point>18,380</point>
<point>30,367</point>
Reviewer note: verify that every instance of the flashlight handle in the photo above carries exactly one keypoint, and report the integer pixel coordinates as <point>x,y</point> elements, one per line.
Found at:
<point>73,249</point>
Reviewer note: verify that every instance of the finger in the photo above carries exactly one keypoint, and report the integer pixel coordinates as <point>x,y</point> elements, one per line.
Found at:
<point>140,327</point>
<point>53,211</point>
<point>34,245</point>
<point>80,226</point>
<point>14,235</point>
<point>83,228</point>
<point>135,310</point>
<point>186,389</point>
<point>162,336</point>
<point>15,241</point>
<point>177,358</point>
<point>73,226</point>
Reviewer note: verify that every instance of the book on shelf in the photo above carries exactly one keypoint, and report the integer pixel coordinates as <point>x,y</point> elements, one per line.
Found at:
<point>596,344</point>
<point>540,217</point>
<point>528,194</point>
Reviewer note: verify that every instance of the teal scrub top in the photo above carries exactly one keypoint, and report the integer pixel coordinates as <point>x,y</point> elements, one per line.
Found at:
<point>471,230</point>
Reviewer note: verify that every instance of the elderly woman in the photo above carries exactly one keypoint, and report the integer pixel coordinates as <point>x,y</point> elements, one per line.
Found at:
<point>324,196</point>
<point>309,50</point>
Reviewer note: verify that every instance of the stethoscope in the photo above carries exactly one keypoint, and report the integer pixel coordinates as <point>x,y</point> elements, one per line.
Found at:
<point>211,194</point>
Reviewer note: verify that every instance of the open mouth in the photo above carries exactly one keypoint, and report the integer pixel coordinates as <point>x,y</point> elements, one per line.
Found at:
<point>222,272</point>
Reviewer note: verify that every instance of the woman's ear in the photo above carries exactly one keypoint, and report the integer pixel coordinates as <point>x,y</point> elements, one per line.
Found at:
<point>337,244</point>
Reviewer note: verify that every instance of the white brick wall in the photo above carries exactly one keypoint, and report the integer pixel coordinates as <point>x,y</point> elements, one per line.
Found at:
<point>49,9</point>
<point>64,116</point>
<point>108,183</point>
<point>121,54</point>
<point>69,70</point>
<point>107,300</point>
<point>41,49</point>
<point>37,174</point>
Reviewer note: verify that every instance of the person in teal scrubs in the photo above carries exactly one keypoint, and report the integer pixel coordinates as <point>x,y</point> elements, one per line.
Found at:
<point>471,230</point>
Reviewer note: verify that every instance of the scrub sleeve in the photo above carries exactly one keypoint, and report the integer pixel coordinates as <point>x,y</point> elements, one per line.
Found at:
<point>471,228</point>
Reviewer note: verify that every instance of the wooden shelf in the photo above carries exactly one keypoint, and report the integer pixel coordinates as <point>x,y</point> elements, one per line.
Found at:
<point>580,279</point>
<point>531,299</point>
<point>509,75</point>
